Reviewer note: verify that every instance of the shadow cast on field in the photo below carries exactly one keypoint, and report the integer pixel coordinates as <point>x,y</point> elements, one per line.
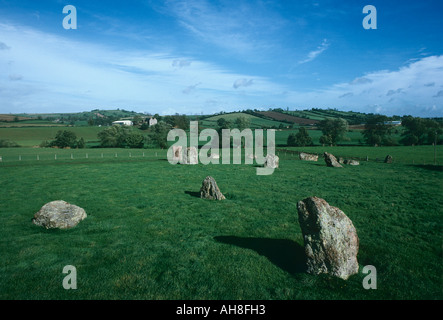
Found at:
<point>285,254</point>
<point>431,167</point>
<point>193,193</point>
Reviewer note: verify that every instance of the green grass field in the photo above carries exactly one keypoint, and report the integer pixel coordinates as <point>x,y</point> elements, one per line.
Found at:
<point>149,236</point>
<point>33,136</point>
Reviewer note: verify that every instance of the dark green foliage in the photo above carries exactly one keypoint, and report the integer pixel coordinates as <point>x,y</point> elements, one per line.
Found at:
<point>420,131</point>
<point>325,140</point>
<point>120,137</point>
<point>242,123</point>
<point>334,128</point>
<point>299,139</point>
<point>159,134</point>
<point>8,144</point>
<point>377,132</point>
<point>65,139</point>
<point>177,121</point>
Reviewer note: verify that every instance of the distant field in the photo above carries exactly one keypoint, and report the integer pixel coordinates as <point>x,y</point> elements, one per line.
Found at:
<point>255,122</point>
<point>286,117</point>
<point>11,117</point>
<point>33,136</point>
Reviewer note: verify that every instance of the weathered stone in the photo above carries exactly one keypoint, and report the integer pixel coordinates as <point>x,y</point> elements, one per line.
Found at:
<point>330,239</point>
<point>388,159</point>
<point>271,161</point>
<point>351,162</point>
<point>210,190</point>
<point>308,156</point>
<point>331,161</point>
<point>59,214</point>
<point>177,153</point>
<point>190,156</point>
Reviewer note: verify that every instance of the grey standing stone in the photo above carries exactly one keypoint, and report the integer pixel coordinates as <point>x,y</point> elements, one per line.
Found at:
<point>330,238</point>
<point>190,155</point>
<point>271,161</point>
<point>351,162</point>
<point>59,214</point>
<point>331,161</point>
<point>210,190</point>
<point>388,159</point>
<point>308,156</point>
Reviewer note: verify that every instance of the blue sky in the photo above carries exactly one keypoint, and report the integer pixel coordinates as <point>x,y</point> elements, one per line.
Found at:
<point>201,56</point>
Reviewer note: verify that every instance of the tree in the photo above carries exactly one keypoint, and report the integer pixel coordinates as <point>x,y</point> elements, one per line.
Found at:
<point>81,143</point>
<point>222,123</point>
<point>242,123</point>
<point>419,131</point>
<point>121,137</point>
<point>291,142</point>
<point>334,128</point>
<point>377,131</point>
<point>326,140</point>
<point>160,134</point>
<point>137,119</point>
<point>301,139</point>
<point>113,137</point>
<point>135,140</point>
<point>64,139</point>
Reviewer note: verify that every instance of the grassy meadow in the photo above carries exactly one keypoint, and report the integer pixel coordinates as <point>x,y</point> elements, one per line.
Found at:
<point>149,236</point>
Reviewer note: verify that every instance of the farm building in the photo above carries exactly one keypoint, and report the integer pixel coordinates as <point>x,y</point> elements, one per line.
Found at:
<point>122,123</point>
<point>152,121</point>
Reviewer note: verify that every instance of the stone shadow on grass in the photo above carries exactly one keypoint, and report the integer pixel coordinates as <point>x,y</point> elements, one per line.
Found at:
<point>193,193</point>
<point>286,254</point>
<point>431,167</point>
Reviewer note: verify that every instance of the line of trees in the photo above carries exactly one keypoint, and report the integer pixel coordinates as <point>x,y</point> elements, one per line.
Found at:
<point>377,132</point>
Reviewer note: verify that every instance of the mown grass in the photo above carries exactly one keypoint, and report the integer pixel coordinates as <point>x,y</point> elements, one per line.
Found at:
<point>149,236</point>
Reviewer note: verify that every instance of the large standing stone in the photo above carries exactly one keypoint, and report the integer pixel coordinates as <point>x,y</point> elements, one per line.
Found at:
<point>271,161</point>
<point>177,153</point>
<point>331,161</point>
<point>308,156</point>
<point>210,190</point>
<point>330,239</point>
<point>388,159</point>
<point>59,214</point>
<point>190,155</point>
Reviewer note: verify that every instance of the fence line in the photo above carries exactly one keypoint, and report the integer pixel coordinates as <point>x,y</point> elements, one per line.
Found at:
<point>72,156</point>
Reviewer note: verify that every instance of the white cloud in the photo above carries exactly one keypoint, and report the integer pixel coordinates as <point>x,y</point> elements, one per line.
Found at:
<point>315,53</point>
<point>62,75</point>
<point>402,91</point>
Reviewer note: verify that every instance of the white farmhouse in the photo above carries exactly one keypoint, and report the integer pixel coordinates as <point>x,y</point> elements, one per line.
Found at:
<point>122,123</point>
<point>152,121</point>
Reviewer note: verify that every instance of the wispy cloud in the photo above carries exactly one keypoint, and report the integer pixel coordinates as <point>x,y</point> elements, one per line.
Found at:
<point>315,53</point>
<point>242,83</point>
<point>191,88</point>
<point>244,28</point>
<point>3,46</point>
